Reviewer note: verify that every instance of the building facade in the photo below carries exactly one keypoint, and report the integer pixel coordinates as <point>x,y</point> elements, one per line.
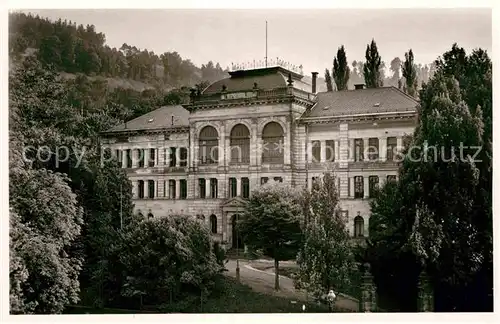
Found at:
<point>205,157</point>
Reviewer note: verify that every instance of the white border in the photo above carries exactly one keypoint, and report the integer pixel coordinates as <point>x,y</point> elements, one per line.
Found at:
<point>264,4</point>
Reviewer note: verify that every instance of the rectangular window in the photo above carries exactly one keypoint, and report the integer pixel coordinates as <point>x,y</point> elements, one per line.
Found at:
<point>391,148</point>
<point>358,149</point>
<point>171,189</point>
<point>129,158</point>
<point>119,157</point>
<point>183,188</point>
<point>165,188</point>
<point>278,179</point>
<point>373,185</point>
<point>316,151</point>
<point>358,187</point>
<point>183,157</point>
<point>245,187</point>
<point>391,178</point>
<point>151,189</point>
<point>373,149</point>
<point>152,158</point>
<point>232,187</point>
<point>213,188</point>
<point>330,151</point>
<point>140,189</point>
<point>140,157</point>
<point>203,187</point>
<point>264,180</point>
<point>173,157</point>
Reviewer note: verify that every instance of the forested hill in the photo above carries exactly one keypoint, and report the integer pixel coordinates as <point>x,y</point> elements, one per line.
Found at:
<point>76,49</point>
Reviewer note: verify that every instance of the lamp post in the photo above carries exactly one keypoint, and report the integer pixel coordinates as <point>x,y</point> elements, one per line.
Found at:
<point>237,249</point>
<point>331,300</point>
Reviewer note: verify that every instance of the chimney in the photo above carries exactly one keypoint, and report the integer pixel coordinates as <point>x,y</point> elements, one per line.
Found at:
<point>314,78</point>
<point>359,86</point>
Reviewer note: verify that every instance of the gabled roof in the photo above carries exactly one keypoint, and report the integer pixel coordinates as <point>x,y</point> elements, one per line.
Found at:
<point>160,118</point>
<point>362,101</point>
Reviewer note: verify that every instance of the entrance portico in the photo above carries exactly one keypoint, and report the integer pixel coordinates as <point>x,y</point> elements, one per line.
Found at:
<point>232,211</point>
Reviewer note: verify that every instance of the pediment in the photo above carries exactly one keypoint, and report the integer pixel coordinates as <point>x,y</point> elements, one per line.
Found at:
<point>235,202</point>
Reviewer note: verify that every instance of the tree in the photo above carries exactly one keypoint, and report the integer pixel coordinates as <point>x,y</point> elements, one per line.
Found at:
<point>371,68</point>
<point>272,222</point>
<point>45,220</point>
<point>410,73</point>
<point>325,259</point>
<point>396,71</point>
<point>166,259</point>
<point>328,81</point>
<point>341,69</point>
<point>394,267</point>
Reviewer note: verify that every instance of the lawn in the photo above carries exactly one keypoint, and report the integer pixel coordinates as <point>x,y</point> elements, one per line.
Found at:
<point>231,297</point>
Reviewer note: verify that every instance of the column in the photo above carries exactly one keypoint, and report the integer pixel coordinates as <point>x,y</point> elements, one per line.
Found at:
<point>177,189</point>
<point>238,187</point>
<point>351,149</point>
<point>124,158</point>
<point>177,156</point>
<point>146,157</point>
<point>366,185</point>
<point>368,302</point>
<point>253,144</point>
<point>322,154</point>
<point>134,153</point>
<point>222,145</point>
<point>343,146</point>
<point>207,188</point>
<point>366,144</point>
<point>157,157</point>
<point>286,144</point>
<point>399,143</point>
<point>336,150</point>
<point>157,183</point>
<point>382,148</point>
<point>258,153</point>
<point>167,188</point>
<point>351,187</point>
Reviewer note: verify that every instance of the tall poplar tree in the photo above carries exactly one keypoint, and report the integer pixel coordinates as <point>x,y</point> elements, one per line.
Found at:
<point>371,68</point>
<point>410,73</point>
<point>341,69</point>
<point>328,81</point>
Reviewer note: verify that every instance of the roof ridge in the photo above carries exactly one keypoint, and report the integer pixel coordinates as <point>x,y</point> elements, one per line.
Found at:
<point>404,93</point>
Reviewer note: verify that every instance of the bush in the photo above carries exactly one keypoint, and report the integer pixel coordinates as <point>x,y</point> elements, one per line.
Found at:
<point>168,259</point>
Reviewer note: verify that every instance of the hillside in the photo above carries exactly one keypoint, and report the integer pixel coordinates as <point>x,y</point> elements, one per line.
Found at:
<point>73,49</point>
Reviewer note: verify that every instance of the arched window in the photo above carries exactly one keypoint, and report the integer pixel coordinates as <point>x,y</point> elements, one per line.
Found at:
<point>209,145</point>
<point>359,226</point>
<point>273,147</point>
<point>150,215</point>
<point>213,223</point>
<point>240,144</point>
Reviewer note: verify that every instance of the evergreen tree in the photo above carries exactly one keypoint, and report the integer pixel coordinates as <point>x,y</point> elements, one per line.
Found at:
<point>328,81</point>
<point>410,73</point>
<point>371,68</point>
<point>341,69</point>
<point>325,260</point>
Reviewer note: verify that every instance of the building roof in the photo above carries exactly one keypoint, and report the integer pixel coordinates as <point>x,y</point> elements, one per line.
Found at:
<point>362,101</point>
<point>266,79</point>
<point>160,118</point>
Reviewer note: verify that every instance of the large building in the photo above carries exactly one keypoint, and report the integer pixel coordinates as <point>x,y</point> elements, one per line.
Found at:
<point>205,157</point>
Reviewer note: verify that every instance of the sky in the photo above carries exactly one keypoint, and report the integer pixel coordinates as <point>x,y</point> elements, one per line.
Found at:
<point>302,37</point>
